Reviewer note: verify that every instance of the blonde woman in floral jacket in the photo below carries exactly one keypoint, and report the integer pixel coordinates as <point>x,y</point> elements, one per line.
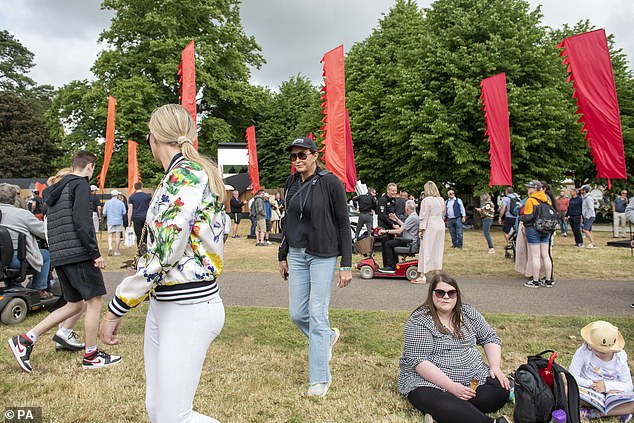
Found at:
<point>178,271</point>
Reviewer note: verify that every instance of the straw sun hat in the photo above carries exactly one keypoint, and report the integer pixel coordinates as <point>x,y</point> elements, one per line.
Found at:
<point>603,336</point>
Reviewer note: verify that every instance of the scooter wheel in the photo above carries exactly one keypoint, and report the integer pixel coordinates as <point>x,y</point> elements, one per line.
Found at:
<point>411,273</point>
<point>366,272</point>
<point>14,312</point>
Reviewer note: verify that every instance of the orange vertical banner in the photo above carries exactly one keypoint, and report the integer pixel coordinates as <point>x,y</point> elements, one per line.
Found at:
<point>107,154</point>
<point>334,110</point>
<point>187,72</point>
<point>252,151</point>
<point>133,166</point>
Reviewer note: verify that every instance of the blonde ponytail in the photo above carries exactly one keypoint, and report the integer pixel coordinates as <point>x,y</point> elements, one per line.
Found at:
<point>172,124</point>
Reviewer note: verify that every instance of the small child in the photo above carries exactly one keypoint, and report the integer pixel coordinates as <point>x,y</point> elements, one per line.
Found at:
<point>601,364</point>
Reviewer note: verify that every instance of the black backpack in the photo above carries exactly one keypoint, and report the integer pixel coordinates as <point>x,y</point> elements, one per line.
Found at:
<point>513,204</point>
<point>545,217</point>
<point>535,400</point>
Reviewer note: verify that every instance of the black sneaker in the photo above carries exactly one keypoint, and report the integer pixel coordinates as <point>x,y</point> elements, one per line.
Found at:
<point>548,283</point>
<point>71,343</point>
<point>99,359</point>
<point>21,347</point>
<point>532,284</point>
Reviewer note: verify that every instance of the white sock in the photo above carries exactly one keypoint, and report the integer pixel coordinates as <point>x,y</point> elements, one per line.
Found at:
<point>90,350</point>
<point>32,336</point>
<point>64,333</point>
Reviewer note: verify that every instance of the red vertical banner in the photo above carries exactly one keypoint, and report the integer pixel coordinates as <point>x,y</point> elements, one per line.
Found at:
<point>351,168</point>
<point>587,58</point>
<point>187,72</point>
<point>334,111</point>
<point>252,151</point>
<point>40,187</point>
<point>133,166</point>
<point>496,121</point>
<point>107,154</point>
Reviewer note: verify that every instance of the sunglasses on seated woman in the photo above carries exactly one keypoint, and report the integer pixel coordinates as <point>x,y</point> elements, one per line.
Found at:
<point>440,293</point>
<point>301,155</point>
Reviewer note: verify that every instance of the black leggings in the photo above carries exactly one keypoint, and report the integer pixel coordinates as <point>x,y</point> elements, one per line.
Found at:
<point>447,408</point>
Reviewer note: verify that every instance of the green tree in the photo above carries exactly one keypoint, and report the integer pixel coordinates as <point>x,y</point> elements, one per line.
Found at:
<point>27,148</point>
<point>291,113</point>
<point>15,62</point>
<point>139,68</point>
<point>419,74</point>
<point>26,145</point>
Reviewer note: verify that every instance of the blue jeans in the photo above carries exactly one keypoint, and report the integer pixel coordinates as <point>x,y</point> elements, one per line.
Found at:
<point>486,228</point>
<point>309,289</point>
<point>455,230</point>
<point>563,224</point>
<point>40,279</point>
<point>252,231</point>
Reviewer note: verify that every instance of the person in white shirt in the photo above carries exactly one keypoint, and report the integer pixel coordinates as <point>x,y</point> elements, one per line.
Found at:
<point>601,364</point>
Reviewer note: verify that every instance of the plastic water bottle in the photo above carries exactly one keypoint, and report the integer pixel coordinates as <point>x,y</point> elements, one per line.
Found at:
<point>558,416</point>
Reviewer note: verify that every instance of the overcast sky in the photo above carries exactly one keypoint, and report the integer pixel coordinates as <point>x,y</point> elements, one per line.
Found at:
<point>63,33</point>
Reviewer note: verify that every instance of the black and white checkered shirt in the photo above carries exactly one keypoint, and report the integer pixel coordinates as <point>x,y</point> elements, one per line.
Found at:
<point>457,358</point>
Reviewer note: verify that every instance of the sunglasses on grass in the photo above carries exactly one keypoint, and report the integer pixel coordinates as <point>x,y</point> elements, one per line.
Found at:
<point>301,155</point>
<point>440,293</point>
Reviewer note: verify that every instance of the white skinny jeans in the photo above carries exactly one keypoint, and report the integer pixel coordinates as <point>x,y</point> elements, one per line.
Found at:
<point>177,337</point>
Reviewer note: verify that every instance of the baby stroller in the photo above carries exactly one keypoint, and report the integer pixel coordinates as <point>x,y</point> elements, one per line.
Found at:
<point>509,249</point>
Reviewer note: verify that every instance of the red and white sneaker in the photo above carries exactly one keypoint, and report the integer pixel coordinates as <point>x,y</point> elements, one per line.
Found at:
<point>99,359</point>
<point>21,347</point>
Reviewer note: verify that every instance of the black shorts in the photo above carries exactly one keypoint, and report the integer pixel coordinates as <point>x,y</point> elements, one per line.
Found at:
<point>236,217</point>
<point>509,222</point>
<point>80,281</point>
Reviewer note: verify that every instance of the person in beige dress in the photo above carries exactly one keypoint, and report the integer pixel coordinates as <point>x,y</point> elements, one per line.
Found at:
<point>431,232</point>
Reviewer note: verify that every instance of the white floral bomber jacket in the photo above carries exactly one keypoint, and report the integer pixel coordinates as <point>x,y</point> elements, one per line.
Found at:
<point>185,228</point>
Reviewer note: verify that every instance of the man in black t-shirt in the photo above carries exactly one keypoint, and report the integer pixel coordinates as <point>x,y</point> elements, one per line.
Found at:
<point>138,204</point>
<point>236,212</point>
<point>95,207</point>
<point>387,205</point>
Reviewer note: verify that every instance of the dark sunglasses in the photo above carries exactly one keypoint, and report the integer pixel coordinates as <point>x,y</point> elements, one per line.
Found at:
<point>301,155</point>
<point>440,293</point>
<point>147,140</point>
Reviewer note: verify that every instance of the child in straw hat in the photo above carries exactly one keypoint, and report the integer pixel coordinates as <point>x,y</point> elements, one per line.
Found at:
<point>601,364</point>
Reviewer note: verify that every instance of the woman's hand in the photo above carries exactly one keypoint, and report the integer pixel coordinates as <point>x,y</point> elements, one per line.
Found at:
<point>462,392</point>
<point>496,373</point>
<point>345,276</point>
<point>284,269</point>
<point>598,385</point>
<point>109,329</point>
<point>421,232</point>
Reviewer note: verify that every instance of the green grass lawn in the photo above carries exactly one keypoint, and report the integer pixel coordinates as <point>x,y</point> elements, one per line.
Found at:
<point>256,370</point>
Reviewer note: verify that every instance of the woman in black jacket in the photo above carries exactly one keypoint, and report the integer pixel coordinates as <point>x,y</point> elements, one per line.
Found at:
<point>316,231</point>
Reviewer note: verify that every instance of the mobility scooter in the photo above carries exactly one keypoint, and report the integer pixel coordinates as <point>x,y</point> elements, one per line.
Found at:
<point>369,268</point>
<point>17,301</point>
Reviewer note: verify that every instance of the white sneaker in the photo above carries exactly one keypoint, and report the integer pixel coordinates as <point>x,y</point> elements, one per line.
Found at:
<point>318,390</point>
<point>591,246</point>
<point>70,343</point>
<point>428,418</point>
<point>267,242</point>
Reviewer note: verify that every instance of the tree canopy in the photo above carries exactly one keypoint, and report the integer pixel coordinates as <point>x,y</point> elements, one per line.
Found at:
<point>138,67</point>
<point>413,94</point>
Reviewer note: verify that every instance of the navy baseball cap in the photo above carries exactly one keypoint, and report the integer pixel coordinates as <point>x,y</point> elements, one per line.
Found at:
<point>303,143</point>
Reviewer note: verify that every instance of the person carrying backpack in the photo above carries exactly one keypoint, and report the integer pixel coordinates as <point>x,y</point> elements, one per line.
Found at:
<point>540,220</point>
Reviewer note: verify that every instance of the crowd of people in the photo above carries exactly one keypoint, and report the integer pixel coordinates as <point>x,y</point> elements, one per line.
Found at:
<point>441,371</point>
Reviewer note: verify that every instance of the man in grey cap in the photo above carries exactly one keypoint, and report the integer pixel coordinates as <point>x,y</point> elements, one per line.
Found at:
<point>588,214</point>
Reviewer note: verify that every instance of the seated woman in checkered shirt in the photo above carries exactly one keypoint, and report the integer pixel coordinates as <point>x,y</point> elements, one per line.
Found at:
<point>441,371</point>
